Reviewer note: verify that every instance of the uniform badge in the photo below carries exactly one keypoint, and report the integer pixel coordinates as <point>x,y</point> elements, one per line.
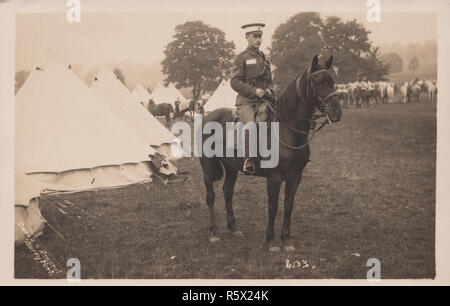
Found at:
<point>250,61</point>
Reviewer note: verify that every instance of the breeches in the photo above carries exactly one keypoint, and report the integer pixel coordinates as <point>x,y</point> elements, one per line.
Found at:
<point>250,110</point>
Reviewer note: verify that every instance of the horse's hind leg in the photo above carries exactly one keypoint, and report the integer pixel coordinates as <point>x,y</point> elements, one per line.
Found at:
<point>228,189</point>
<point>211,171</point>
<point>210,198</point>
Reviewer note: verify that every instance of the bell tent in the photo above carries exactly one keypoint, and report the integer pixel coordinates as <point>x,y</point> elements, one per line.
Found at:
<point>67,139</point>
<point>224,96</point>
<point>109,89</point>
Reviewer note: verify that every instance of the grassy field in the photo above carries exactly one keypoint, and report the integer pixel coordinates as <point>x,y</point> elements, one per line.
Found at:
<point>369,191</point>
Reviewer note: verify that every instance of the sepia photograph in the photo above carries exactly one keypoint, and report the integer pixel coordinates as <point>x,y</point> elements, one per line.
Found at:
<point>256,141</point>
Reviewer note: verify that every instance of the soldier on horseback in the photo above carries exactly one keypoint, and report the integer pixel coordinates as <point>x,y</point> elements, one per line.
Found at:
<point>252,79</point>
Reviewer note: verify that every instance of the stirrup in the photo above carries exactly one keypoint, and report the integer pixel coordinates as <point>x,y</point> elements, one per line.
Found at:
<point>249,166</point>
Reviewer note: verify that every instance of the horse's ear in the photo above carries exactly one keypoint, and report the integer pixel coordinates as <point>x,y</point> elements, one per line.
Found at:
<point>315,62</point>
<point>329,62</point>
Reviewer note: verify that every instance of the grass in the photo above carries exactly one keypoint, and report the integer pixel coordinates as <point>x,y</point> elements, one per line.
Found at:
<point>368,192</point>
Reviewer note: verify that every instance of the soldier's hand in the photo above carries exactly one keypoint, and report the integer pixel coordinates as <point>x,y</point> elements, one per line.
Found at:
<point>259,92</point>
<point>269,92</point>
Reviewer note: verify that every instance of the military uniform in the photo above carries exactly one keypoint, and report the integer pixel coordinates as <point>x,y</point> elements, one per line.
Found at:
<point>251,71</point>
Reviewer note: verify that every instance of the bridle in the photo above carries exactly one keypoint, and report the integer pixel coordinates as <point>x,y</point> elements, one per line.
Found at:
<point>314,118</point>
<point>310,84</point>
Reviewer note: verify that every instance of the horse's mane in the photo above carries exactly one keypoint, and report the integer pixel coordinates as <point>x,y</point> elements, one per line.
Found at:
<point>288,101</point>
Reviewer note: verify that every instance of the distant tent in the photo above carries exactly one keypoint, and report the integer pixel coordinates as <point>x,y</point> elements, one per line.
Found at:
<point>67,139</point>
<point>162,94</point>
<point>178,96</point>
<point>176,93</point>
<point>28,218</point>
<point>141,95</point>
<point>116,96</point>
<point>224,96</point>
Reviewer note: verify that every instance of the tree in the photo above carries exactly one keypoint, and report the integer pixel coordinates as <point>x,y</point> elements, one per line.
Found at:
<point>374,69</point>
<point>120,75</point>
<point>199,57</point>
<point>296,41</point>
<point>294,44</point>
<point>349,43</point>
<point>394,60</point>
<point>413,64</point>
<point>20,78</point>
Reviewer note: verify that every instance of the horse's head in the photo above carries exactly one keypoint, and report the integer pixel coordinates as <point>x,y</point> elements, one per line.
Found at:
<point>320,89</point>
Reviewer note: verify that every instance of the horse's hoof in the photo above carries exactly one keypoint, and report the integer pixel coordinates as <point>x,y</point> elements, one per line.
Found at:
<point>214,239</point>
<point>237,234</point>
<point>274,249</point>
<point>289,248</point>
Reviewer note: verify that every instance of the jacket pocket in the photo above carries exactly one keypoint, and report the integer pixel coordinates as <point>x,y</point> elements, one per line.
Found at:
<point>251,71</point>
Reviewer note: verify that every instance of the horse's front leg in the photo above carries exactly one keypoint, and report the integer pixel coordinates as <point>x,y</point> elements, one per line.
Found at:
<point>292,182</point>
<point>273,190</point>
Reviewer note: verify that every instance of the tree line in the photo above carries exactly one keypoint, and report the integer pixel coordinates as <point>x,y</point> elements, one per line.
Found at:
<point>199,56</point>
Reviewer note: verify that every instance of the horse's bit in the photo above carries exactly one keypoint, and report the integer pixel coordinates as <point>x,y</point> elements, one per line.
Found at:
<point>314,117</point>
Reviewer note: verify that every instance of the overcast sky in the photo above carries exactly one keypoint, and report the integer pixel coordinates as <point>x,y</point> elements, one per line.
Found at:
<point>103,38</point>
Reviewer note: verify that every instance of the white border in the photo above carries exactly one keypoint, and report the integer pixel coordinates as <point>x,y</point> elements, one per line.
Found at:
<point>7,68</point>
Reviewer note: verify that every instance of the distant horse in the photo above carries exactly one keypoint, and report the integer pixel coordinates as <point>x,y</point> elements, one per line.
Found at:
<point>343,97</point>
<point>390,91</point>
<point>406,92</point>
<point>293,110</point>
<point>383,92</point>
<point>415,91</point>
<point>431,90</point>
<point>374,93</point>
<point>162,109</point>
<point>190,108</point>
<point>363,96</point>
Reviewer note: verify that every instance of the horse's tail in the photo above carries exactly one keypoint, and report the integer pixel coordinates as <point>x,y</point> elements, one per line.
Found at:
<point>171,108</point>
<point>212,169</point>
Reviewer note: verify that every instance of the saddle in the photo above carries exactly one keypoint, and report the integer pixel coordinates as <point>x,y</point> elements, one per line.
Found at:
<point>261,112</point>
<point>261,115</point>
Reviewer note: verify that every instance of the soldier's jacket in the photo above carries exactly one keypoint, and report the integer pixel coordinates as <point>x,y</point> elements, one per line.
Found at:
<point>251,71</point>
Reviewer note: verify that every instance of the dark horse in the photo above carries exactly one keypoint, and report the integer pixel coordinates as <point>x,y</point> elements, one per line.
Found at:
<point>190,109</point>
<point>293,110</point>
<point>162,109</point>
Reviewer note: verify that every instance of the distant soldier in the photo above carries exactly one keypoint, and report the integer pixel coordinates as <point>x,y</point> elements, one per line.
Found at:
<point>252,79</point>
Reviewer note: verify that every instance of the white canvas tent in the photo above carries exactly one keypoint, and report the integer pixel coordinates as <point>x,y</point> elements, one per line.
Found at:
<point>162,94</point>
<point>176,93</point>
<point>177,96</point>
<point>141,95</point>
<point>118,99</point>
<point>224,96</point>
<point>169,94</point>
<point>28,218</point>
<point>68,140</point>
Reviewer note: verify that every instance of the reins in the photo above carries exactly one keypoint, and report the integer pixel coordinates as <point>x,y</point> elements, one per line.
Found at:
<point>312,120</point>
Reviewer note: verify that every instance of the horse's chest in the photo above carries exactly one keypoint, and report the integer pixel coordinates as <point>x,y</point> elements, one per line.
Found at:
<point>294,160</point>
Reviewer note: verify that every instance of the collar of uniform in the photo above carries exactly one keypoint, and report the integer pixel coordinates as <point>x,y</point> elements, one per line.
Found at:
<point>252,51</point>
